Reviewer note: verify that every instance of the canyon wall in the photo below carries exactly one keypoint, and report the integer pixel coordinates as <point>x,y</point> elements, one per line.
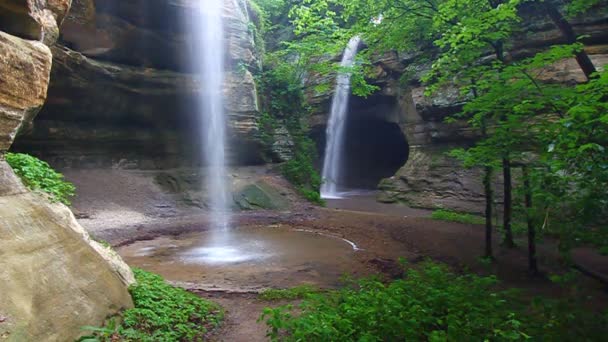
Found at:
<point>429,178</point>
<point>123,93</point>
<point>53,278</point>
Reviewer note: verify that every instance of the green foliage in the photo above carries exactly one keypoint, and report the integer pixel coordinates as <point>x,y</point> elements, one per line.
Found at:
<point>300,171</point>
<point>557,130</point>
<point>107,333</point>
<point>575,7</point>
<point>38,175</point>
<point>430,304</point>
<point>162,313</point>
<point>452,216</point>
<point>281,86</point>
<point>297,292</point>
<point>267,124</point>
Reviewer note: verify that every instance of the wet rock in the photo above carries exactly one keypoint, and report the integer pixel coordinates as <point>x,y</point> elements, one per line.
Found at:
<point>283,144</point>
<point>260,195</point>
<point>33,20</point>
<point>122,88</point>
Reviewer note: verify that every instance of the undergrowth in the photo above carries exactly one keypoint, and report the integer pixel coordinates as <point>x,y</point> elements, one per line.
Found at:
<point>452,216</point>
<point>38,175</point>
<point>297,292</point>
<point>161,313</point>
<point>300,170</point>
<point>431,304</point>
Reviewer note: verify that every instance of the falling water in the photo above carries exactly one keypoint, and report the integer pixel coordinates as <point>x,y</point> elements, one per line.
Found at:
<point>209,52</point>
<point>332,165</point>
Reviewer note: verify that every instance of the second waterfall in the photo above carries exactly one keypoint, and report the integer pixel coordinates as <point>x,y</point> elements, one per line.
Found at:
<point>336,127</point>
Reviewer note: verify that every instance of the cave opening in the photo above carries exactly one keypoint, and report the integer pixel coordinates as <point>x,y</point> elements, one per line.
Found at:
<point>374,149</point>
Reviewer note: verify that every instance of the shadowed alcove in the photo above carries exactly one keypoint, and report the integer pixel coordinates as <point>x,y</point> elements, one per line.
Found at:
<point>375,146</point>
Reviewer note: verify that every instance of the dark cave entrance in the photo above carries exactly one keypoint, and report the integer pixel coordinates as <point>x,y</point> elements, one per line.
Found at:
<point>373,150</point>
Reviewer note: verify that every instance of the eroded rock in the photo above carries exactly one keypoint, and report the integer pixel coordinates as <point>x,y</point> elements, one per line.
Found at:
<point>53,278</point>
<point>52,281</point>
<point>33,19</point>
<point>122,92</point>
<point>24,68</point>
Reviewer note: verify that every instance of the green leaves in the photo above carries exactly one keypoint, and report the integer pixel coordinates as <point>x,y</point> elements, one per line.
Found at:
<point>161,313</point>
<point>447,215</point>
<point>38,175</point>
<point>430,304</point>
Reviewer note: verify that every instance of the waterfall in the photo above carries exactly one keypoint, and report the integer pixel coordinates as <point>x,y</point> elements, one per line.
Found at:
<point>336,130</point>
<point>209,51</point>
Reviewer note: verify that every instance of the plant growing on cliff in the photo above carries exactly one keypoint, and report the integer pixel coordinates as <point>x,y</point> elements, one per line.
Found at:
<point>38,175</point>
<point>161,313</point>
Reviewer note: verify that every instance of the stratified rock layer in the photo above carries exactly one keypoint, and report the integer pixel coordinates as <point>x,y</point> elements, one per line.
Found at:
<point>25,67</point>
<point>429,178</point>
<point>33,19</point>
<point>53,278</point>
<point>123,94</point>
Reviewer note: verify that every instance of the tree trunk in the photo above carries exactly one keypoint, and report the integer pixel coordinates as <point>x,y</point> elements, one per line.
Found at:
<point>487,183</point>
<point>582,58</point>
<point>508,206</point>
<point>532,263</point>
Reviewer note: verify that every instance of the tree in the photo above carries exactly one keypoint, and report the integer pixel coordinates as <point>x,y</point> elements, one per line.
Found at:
<point>522,120</point>
<point>575,7</point>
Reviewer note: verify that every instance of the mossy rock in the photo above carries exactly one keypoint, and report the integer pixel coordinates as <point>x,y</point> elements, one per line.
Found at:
<point>260,195</point>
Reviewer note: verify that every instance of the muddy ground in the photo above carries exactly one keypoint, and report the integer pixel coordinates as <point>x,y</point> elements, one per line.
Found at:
<point>383,233</point>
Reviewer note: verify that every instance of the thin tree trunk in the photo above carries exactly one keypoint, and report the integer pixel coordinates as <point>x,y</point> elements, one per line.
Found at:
<point>487,183</point>
<point>506,171</point>
<point>532,263</point>
<point>582,58</point>
<point>508,205</point>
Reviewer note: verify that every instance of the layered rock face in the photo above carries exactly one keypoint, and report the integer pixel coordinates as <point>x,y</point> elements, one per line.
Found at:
<point>430,179</point>
<point>53,278</point>
<point>123,93</point>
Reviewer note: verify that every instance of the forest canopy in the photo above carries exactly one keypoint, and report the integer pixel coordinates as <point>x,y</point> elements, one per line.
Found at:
<point>547,140</point>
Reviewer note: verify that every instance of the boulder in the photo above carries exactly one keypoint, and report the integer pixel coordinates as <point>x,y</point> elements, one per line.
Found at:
<point>53,278</point>
<point>33,19</point>
<point>260,195</point>
<point>430,179</point>
<point>25,67</point>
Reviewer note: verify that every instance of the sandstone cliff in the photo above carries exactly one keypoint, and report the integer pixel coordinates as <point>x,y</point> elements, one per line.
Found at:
<point>429,179</point>
<point>122,92</point>
<point>53,278</point>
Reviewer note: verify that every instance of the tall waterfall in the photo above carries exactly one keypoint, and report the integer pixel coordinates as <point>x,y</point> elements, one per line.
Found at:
<point>209,52</point>
<point>336,128</point>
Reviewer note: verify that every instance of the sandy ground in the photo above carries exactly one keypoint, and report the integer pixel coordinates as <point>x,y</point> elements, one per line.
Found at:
<point>384,233</point>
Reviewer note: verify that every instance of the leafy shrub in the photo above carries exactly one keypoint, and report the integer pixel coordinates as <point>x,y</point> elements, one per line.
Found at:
<point>38,175</point>
<point>267,124</point>
<point>430,304</point>
<point>452,216</point>
<point>297,292</point>
<point>281,90</point>
<point>300,171</point>
<point>162,313</point>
